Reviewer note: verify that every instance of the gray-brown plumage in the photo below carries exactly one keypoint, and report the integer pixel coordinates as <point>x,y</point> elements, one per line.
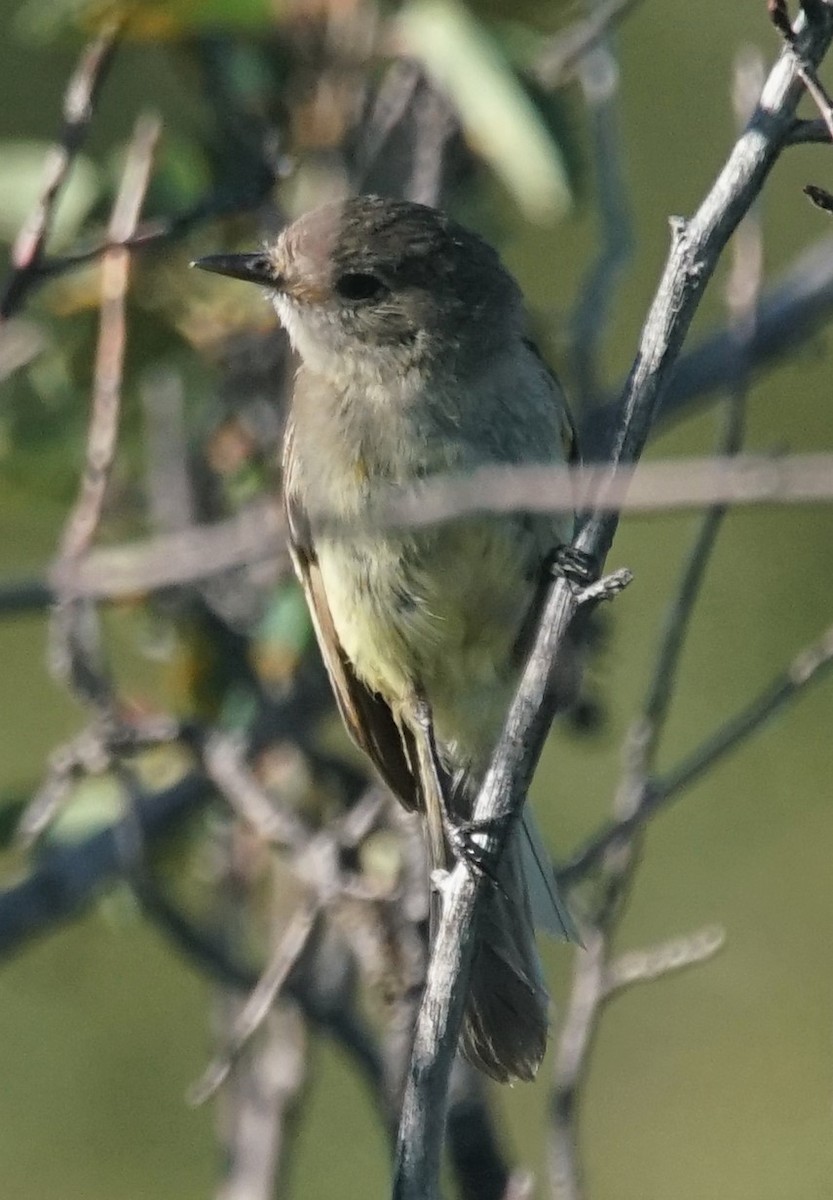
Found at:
<point>415,362</point>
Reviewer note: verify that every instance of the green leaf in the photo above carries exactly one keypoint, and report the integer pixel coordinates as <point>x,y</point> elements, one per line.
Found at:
<point>21,181</point>
<point>497,114</point>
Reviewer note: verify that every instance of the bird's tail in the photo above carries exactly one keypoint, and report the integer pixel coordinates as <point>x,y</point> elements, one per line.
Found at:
<point>507,1014</point>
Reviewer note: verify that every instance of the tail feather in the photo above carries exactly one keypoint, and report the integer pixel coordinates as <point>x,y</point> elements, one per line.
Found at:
<point>506,1019</point>
<point>549,912</point>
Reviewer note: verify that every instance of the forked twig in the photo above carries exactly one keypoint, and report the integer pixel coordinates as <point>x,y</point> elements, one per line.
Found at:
<point>696,248</point>
<point>597,977</point>
<point>79,106</point>
<point>75,649</point>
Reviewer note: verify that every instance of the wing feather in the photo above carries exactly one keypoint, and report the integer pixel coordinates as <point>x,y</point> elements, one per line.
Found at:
<point>366,715</point>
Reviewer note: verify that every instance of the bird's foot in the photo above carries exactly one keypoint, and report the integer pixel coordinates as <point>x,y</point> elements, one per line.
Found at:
<point>577,567</point>
<point>460,835</point>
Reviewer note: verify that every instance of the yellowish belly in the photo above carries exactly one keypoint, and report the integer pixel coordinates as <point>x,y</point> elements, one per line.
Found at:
<point>439,612</point>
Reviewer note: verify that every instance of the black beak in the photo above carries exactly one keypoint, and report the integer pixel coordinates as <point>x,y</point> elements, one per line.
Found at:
<point>253,268</point>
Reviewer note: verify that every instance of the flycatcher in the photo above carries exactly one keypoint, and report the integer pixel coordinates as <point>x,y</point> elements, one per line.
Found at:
<point>415,362</point>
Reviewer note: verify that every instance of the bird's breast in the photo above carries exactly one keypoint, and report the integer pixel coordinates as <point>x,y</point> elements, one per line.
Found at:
<point>440,612</point>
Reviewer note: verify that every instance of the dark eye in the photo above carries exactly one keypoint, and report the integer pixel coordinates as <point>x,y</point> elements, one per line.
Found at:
<point>357,286</point>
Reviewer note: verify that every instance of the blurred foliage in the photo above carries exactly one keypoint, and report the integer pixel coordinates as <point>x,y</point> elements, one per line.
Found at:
<point>21,183</point>
<point>264,104</point>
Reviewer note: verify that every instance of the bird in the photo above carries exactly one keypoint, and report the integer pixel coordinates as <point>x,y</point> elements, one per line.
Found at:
<point>416,362</point>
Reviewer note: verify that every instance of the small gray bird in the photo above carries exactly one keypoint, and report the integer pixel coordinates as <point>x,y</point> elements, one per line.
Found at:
<point>415,362</point>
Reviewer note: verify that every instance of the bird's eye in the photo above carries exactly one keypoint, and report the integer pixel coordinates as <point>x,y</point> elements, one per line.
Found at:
<point>358,286</point>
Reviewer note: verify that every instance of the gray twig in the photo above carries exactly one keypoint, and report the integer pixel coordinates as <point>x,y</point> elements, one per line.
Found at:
<point>257,534</point>
<point>287,953</point>
<point>806,668</point>
<point>696,248</point>
<point>79,106</point>
<point>646,966</point>
<point>806,70</point>
<point>669,485</point>
<point>596,978</point>
<point>598,74</point>
<point>557,64</point>
<point>791,313</point>
<point>74,634</point>
<point>257,1110</point>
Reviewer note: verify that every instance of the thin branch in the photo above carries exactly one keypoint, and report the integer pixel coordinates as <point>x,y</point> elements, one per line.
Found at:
<point>815,132</point>
<point>287,953</point>
<point>795,310</point>
<point>599,77</point>
<point>807,667</point>
<point>646,966</point>
<point>106,402</point>
<point>558,63</point>
<point>598,979</point>
<point>806,71</point>
<point>156,232</point>
<point>257,534</point>
<point>670,485</point>
<point>333,1013</point>
<point>258,1109</point>
<point>79,106</point>
<point>696,248</point>
<point>74,636</point>
<point>574,1042</point>
<point>225,762</point>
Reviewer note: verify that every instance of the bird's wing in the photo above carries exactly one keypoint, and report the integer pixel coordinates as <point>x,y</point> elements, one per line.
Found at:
<point>549,910</point>
<point>567,430</point>
<point>366,715</point>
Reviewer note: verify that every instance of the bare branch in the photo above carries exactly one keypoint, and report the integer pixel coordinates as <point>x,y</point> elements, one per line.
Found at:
<point>695,251</point>
<point>257,1108</point>
<point>225,762</point>
<point>558,63</point>
<point>792,312</point>
<point>257,534</point>
<point>287,953</point>
<point>74,637</point>
<point>598,74</point>
<point>806,71</point>
<point>106,401</point>
<point>646,966</point>
<point>670,485</point>
<point>598,979</point>
<point>578,1029</point>
<point>806,667</point>
<point>79,106</point>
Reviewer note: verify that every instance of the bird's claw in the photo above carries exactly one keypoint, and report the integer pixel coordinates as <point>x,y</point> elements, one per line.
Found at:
<point>577,567</point>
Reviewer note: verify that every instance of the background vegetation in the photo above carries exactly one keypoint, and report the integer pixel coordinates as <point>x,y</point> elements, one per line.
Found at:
<point>712,1082</point>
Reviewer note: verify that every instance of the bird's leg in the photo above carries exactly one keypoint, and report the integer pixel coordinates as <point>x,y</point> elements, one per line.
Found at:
<point>458,832</point>
<point>576,566</point>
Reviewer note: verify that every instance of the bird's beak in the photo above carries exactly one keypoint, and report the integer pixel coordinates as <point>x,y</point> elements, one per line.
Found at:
<point>253,268</point>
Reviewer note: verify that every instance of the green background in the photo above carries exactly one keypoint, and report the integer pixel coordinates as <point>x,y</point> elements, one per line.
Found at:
<point>717,1082</point>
